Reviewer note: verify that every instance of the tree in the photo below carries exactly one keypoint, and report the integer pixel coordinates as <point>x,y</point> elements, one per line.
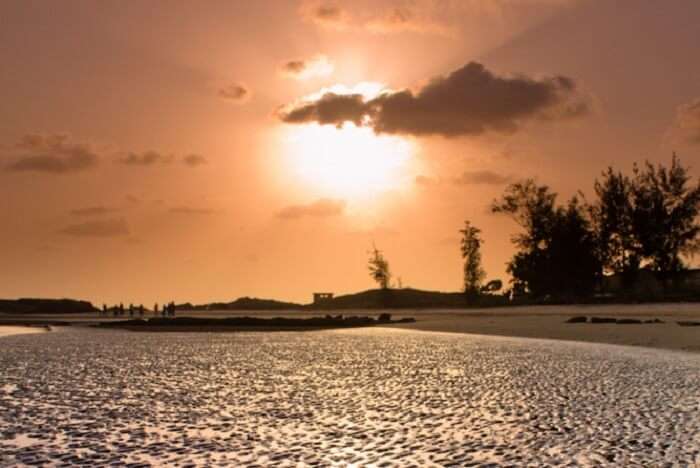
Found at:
<point>556,254</point>
<point>379,268</point>
<point>474,274</point>
<point>665,216</point>
<point>612,215</point>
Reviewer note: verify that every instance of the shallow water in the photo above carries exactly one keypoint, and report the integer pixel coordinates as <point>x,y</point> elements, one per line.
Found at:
<point>366,397</point>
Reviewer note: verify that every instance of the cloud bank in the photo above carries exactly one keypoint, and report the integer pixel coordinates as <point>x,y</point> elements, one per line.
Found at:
<point>53,154</point>
<point>194,160</point>
<point>482,177</point>
<point>148,158</point>
<point>469,101</point>
<point>93,211</point>
<point>322,208</point>
<point>104,228</point>
<point>189,210</point>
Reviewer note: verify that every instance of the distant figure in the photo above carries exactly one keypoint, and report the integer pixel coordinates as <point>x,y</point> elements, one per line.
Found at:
<point>155,310</point>
<point>121,308</point>
<point>165,310</point>
<point>141,310</point>
<point>104,310</point>
<point>131,310</point>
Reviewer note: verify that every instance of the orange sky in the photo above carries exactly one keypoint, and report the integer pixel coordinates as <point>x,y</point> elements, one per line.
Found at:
<point>155,151</point>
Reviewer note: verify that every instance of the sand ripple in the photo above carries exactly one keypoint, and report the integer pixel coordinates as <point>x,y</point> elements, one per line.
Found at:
<point>364,397</point>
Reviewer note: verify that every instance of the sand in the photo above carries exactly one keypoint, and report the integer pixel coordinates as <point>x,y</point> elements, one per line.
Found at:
<point>9,330</point>
<point>368,397</point>
<point>549,322</point>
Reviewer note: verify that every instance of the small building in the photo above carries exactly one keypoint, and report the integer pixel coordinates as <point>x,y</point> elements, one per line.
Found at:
<point>322,298</point>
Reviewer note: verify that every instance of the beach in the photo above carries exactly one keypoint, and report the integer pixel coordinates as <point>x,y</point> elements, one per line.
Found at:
<point>9,330</point>
<point>549,322</point>
<point>367,396</point>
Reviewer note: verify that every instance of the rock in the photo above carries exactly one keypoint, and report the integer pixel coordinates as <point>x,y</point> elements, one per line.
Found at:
<point>603,320</point>
<point>628,321</point>
<point>578,319</point>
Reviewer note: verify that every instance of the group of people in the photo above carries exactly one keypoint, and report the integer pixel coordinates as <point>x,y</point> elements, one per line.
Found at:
<point>168,310</point>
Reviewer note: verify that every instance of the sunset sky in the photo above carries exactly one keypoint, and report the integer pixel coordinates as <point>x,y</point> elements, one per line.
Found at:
<point>201,151</point>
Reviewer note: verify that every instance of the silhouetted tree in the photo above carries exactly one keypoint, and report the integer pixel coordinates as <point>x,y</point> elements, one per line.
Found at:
<point>613,219</point>
<point>557,251</point>
<point>470,246</point>
<point>379,268</point>
<point>665,217</point>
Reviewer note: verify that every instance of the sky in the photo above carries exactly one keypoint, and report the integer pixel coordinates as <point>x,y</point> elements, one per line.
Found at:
<point>202,151</point>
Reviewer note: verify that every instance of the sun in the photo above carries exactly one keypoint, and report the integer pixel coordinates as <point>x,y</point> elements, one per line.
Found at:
<point>349,162</point>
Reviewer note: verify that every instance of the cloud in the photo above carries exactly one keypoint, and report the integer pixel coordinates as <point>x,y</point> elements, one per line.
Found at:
<point>322,208</point>
<point>53,154</point>
<point>189,210</point>
<point>331,108</point>
<point>317,66</point>
<point>235,92</point>
<point>93,211</point>
<point>404,19</point>
<point>148,158</point>
<point>687,124</point>
<point>104,228</point>
<point>469,101</point>
<point>325,14</point>
<point>194,160</point>
<point>482,177</point>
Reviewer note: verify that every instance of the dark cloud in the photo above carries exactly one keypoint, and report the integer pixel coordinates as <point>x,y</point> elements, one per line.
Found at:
<point>321,208</point>
<point>148,158</point>
<point>189,210</point>
<point>53,154</point>
<point>194,160</point>
<point>688,122</point>
<point>93,211</point>
<point>235,92</point>
<point>331,108</point>
<point>482,177</point>
<point>103,228</point>
<point>468,101</point>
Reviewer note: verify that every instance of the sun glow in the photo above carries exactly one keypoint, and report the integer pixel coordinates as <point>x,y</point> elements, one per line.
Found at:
<point>349,162</point>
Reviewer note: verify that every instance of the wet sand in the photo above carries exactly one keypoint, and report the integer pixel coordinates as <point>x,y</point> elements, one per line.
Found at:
<point>368,397</point>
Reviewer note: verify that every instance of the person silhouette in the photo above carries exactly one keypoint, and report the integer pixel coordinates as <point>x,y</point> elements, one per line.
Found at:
<point>155,310</point>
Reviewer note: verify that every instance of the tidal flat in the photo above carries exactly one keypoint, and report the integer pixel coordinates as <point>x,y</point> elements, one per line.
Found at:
<point>364,397</point>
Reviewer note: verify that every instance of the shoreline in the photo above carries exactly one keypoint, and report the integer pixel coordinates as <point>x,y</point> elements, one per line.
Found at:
<point>13,330</point>
<point>544,322</point>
